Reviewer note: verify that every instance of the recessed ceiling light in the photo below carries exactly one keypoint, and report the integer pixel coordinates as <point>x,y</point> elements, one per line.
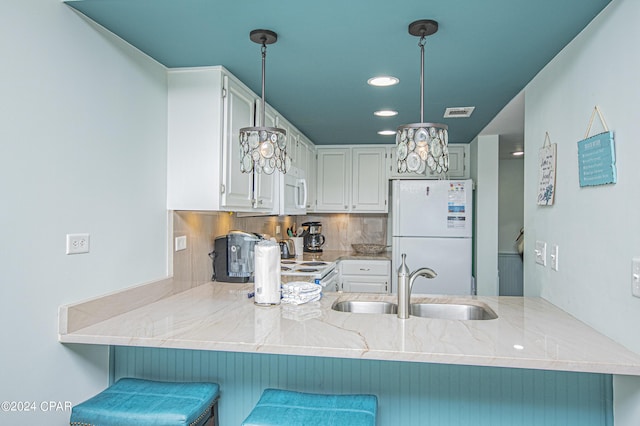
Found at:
<point>458,112</point>
<point>387,132</point>
<point>383,80</point>
<point>385,113</point>
<point>517,153</point>
<point>518,347</point>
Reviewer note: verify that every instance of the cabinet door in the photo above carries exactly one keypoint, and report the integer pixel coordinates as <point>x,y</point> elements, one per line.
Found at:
<point>238,113</point>
<point>457,164</point>
<point>457,161</point>
<point>301,153</point>
<point>265,185</point>
<point>310,170</point>
<point>293,141</point>
<point>369,180</point>
<point>334,179</point>
<point>392,167</point>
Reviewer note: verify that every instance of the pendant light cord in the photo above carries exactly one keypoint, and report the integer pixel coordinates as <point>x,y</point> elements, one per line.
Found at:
<point>263,50</point>
<point>421,44</point>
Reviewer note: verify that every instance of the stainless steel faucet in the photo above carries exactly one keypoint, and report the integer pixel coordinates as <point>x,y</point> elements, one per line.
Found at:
<point>405,285</point>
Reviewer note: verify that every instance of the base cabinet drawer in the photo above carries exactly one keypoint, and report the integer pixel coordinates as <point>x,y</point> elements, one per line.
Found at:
<point>364,284</point>
<point>365,276</point>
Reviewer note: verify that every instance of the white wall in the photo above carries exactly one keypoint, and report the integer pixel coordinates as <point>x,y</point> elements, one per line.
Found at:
<point>484,172</point>
<point>82,149</point>
<point>510,203</point>
<point>596,228</point>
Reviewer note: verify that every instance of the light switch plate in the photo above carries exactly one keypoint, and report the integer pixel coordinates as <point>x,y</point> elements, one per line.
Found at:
<point>635,277</point>
<point>181,243</point>
<point>541,253</point>
<point>554,257</point>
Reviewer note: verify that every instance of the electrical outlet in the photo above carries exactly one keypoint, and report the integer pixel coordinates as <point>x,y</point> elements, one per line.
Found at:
<point>77,243</point>
<point>635,277</point>
<point>554,257</point>
<point>541,253</point>
<point>181,243</point>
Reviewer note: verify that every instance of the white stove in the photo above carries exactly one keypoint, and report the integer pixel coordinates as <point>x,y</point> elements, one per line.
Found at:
<point>320,272</point>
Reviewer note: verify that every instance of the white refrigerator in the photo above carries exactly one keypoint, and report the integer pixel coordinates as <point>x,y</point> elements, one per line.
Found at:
<point>432,224</point>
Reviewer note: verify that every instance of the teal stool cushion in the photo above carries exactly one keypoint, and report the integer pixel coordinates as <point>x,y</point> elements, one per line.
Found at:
<point>145,403</point>
<point>285,408</point>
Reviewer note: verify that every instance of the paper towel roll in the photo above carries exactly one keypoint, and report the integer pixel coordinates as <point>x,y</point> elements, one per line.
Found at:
<point>267,273</point>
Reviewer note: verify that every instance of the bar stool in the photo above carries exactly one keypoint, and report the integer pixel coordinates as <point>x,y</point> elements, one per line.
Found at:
<point>287,408</point>
<point>145,403</point>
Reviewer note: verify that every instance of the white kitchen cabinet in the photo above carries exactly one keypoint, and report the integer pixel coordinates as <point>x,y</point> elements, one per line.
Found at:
<point>364,276</point>
<point>352,179</point>
<point>458,165</point>
<point>334,180</point>
<point>369,180</point>
<point>206,109</point>
<point>310,170</point>
<point>238,111</point>
<point>265,185</point>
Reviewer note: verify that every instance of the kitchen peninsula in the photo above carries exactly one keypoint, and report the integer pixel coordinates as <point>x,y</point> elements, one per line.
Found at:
<point>529,333</point>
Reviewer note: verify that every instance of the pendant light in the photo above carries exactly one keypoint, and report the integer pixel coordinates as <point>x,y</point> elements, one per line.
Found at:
<point>263,149</point>
<point>422,145</point>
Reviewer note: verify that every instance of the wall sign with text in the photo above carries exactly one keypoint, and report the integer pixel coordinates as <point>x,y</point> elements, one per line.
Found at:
<point>597,160</point>
<point>546,173</point>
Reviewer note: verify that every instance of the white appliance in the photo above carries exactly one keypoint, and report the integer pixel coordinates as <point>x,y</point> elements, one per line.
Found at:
<point>320,272</point>
<point>432,224</point>
<point>293,192</point>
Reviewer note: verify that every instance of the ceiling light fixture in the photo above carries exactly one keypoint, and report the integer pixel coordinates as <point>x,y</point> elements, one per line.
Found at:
<point>264,149</point>
<point>421,145</point>
<point>385,113</point>
<point>387,132</point>
<point>383,80</point>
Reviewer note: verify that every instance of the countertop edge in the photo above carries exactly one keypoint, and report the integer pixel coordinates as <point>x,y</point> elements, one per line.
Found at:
<point>373,355</point>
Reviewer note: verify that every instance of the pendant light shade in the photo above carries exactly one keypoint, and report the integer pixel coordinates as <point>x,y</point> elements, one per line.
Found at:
<point>263,149</point>
<point>421,145</point>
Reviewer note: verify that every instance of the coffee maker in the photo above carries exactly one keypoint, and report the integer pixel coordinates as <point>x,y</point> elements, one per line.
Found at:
<point>233,257</point>
<point>313,238</point>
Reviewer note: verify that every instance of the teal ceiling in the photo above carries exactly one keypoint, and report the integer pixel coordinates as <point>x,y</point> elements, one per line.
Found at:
<point>484,53</point>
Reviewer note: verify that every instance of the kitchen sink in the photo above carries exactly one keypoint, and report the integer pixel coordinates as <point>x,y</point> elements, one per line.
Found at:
<point>452,311</point>
<point>365,307</point>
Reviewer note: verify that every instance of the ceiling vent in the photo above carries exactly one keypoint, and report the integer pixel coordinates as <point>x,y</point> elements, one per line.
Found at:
<point>458,112</point>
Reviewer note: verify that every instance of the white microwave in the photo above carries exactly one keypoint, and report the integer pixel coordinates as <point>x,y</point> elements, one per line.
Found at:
<point>293,192</point>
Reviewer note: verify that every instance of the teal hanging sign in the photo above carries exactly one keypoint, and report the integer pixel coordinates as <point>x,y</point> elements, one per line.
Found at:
<point>597,157</point>
<point>597,160</point>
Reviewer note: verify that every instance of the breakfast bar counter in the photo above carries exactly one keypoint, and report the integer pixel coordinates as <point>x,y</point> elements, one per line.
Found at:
<point>529,333</point>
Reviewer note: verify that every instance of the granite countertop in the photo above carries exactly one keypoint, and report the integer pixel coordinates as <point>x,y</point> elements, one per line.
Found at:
<point>528,333</point>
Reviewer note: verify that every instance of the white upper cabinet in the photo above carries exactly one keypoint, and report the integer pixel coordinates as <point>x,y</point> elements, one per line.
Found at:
<point>369,180</point>
<point>458,168</point>
<point>334,179</point>
<point>239,102</point>
<point>352,179</point>
<point>265,185</point>
<point>310,161</point>
<point>207,108</point>
<point>458,165</point>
